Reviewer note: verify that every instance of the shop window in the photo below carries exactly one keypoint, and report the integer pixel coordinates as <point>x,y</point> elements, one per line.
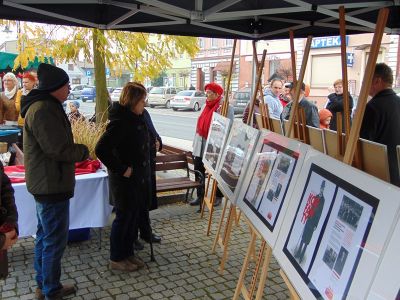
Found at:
<point>201,43</point>
<point>325,69</point>
<point>214,43</point>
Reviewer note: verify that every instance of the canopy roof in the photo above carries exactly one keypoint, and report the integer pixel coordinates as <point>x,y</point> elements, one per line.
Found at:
<point>245,19</point>
<point>7,62</point>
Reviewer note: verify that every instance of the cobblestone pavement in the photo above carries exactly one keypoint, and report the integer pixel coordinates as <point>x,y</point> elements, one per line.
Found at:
<point>184,267</point>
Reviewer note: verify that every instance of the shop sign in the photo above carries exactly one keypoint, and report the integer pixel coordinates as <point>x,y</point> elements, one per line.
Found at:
<point>327,42</point>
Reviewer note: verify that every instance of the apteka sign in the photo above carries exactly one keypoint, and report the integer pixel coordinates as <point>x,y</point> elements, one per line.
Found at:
<point>327,42</point>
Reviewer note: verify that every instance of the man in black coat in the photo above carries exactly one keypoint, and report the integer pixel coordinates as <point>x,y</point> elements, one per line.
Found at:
<point>335,104</point>
<point>381,121</point>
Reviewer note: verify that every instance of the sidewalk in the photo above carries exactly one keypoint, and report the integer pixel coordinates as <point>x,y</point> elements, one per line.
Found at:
<point>184,267</point>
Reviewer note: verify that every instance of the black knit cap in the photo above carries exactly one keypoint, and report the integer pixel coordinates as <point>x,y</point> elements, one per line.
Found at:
<point>51,78</point>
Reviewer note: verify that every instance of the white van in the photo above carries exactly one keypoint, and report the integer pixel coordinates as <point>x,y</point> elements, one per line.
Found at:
<point>161,96</point>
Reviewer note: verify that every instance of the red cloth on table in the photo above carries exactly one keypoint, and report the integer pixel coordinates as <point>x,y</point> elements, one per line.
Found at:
<point>17,173</point>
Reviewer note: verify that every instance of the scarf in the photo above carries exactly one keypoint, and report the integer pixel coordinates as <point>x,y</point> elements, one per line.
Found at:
<point>204,121</point>
<point>10,94</point>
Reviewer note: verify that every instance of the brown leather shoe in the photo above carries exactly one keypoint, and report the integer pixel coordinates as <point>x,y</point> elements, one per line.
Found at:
<point>136,261</point>
<point>67,289</point>
<point>38,294</point>
<point>123,265</point>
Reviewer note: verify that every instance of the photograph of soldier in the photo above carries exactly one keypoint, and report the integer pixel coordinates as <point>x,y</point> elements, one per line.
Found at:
<point>270,195</point>
<point>278,190</point>
<point>350,212</point>
<point>341,260</point>
<point>329,257</point>
<point>311,215</point>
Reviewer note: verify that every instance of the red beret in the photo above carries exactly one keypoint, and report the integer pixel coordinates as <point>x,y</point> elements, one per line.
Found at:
<point>215,87</point>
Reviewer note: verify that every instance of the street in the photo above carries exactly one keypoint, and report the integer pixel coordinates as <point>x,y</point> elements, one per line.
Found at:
<point>175,124</point>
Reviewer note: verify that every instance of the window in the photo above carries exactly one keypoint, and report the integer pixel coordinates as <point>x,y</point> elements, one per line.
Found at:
<point>70,67</point>
<point>325,69</point>
<point>201,43</point>
<point>229,42</point>
<point>214,43</point>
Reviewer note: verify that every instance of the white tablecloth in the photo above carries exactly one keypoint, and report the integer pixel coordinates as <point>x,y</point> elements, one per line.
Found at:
<point>88,208</point>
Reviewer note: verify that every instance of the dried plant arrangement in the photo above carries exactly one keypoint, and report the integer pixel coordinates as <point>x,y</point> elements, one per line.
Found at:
<point>88,133</point>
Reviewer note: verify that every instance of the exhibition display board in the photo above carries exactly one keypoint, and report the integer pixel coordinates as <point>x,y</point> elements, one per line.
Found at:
<point>275,164</point>
<point>216,139</point>
<point>337,225</point>
<point>386,284</point>
<point>235,158</point>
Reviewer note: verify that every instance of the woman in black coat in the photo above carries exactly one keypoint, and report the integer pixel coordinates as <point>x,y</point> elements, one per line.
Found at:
<point>124,149</point>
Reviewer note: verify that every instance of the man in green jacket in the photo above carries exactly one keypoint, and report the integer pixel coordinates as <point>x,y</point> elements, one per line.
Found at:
<point>49,156</point>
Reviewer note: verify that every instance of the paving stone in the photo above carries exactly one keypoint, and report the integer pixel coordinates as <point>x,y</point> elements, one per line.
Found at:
<point>184,268</point>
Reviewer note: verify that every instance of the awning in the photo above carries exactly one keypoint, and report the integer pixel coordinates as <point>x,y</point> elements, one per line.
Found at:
<point>7,62</point>
<point>224,66</point>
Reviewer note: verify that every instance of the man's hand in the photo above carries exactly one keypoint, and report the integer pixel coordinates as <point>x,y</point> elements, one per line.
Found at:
<point>128,172</point>
<point>11,239</point>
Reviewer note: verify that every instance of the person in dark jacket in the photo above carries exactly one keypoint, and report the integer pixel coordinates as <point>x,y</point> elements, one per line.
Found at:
<point>49,157</point>
<point>124,148</point>
<point>381,122</point>
<point>335,104</point>
<point>144,218</point>
<point>311,111</point>
<point>8,220</point>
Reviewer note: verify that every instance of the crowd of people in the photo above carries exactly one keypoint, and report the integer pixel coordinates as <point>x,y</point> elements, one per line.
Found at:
<point>128,149</point>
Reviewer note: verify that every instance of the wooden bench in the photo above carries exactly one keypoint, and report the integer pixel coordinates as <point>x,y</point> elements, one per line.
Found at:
<point>179,180</point>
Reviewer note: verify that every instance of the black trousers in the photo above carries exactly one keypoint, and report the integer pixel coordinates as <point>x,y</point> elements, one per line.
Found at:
<point>199,166</point>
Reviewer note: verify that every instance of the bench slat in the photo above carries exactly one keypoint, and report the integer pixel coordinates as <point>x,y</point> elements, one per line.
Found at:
<point>171,166</point>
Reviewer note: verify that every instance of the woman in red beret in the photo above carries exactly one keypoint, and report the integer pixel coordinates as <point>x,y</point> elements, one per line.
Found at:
<point>213,104</point>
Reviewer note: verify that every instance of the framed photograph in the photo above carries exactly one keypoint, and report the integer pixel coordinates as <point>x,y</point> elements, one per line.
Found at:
<point>269,181</point>
<point>235,158</point>
<point>386,284</point>
<point>337,224</point>
<point>217,136</point>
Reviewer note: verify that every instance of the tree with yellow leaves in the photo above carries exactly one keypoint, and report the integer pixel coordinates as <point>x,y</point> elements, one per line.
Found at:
<point>144,54</point>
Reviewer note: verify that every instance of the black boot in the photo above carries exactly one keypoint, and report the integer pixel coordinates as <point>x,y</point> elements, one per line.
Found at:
<point>196,201</point>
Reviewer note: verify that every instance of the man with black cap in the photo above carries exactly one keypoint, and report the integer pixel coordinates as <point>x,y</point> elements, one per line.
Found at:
<point>311,111</point>
<point>50,156</point>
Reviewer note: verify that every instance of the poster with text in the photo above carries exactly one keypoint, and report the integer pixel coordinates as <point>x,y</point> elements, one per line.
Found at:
<point>235,158</point>
<point>217,136</point>
<point>266,187</point>
<point>335,230</point>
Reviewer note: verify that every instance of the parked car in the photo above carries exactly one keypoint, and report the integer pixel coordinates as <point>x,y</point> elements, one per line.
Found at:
<point>89,94</point>
<point>115,94</point>
<point>239,100</point>
<point>161,96</point>
<point>110,90</point>
<point>188,99</point>
<point>76,90</point>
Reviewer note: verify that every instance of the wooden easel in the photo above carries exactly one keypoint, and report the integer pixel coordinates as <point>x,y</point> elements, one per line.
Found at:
<point>232,217</point>
<point>209,201</point>
<point>362,100</point>
<point>262,263</point>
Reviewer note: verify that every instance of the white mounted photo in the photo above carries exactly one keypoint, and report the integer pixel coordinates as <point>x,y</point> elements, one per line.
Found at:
<point>386,284</point>
<point>269,182</point>
<point>216,139</point>
<point>336,228</point>
<point>235,158</point>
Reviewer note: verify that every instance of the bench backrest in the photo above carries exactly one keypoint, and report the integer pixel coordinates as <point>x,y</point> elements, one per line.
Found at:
<point>172,162</point>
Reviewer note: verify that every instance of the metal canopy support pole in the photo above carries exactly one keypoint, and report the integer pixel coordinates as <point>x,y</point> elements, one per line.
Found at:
<point>366,84</point>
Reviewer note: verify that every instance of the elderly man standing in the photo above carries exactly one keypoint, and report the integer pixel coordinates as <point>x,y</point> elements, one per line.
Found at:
<point>50,156</point>
<point>381,121</point>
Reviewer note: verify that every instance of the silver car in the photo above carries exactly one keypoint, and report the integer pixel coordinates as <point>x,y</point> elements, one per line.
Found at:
<point>188,99</point>
<point>115,94</point>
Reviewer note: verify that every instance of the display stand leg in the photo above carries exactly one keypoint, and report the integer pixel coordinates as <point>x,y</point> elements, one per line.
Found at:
<point>240,288</point>
<point>292,291</point>
<point>221,221</point>
<point>263,260</point>
<point>205,194</point>
<point>223,241</point>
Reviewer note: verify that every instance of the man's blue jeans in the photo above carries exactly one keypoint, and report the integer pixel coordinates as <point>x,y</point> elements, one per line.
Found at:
<point>51,240</point>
